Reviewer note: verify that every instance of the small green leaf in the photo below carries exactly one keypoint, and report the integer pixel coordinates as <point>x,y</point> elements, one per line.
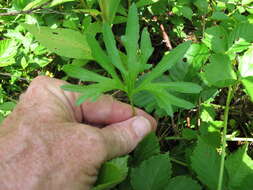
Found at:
<point>189,134</point>
<point>59,2</point>
<point>248,84</point>
<point>182,183</point>
<point>142,3</point>
<point>217,15</point>
<point>112,173</point>
<point>8,50</point>
<point>216,39</point>
<point>220,72</point>
<point>167,62</point>
<point>152,174</point>
<point>7,106</point>
<point>206,163</point>
<point>148,147</point>
<point>239,165</point>
<point>64,42</point>
<point>202,5</point>
<point>83,74</point>
<point>35,3</point>
<point>246,63</point>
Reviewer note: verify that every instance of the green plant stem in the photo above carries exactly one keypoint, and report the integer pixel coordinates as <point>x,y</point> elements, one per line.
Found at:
<point>174,138</point>
<point>178,162</point>
<point>225,123</point>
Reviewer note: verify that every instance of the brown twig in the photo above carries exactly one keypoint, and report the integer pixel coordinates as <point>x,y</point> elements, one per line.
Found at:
<point>30,11</point>
<point>166,38</point>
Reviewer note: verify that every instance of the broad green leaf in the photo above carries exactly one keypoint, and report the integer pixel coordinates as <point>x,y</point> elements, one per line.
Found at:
<point>211,133</point>
<point>58,2</point>
<point>238,47</point>
<point>207,112</point>
<point>8,49</point>
<point>146,49</point>
<point>206,163</point>
<point>183,87</point>
<point>241,31</point>
<point>218,15</point>
<point>112,49</point>
<point>220,72</point>
<point>239,165</point>
<point>202,5</point>
<point>167,62</point>
<point>148,147</point>
<point>215,38</point>
<point>101,57</point>
<point>189,134</point>
<point>112,173</point>
<point>152,174</point>
<point>247,183</point>
<point>108,9</point>
<point>163,102</point>
<point>142,3</point>
<point>35,3</point>
<point>248,84</point>
<point>7,106</point>
<point>246,63</point>
<point>182,183</point>
<point>64,42</point>
<point>83,74</point>
<point>130,40</point>
<point>184,11</point>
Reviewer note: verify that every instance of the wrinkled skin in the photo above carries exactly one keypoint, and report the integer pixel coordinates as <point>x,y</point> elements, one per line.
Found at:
<point>49,143</point>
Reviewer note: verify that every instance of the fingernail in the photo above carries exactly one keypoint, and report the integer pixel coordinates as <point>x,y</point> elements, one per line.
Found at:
<point>141,126</point>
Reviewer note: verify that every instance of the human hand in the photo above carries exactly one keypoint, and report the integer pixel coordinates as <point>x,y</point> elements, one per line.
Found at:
<point>44,143</point>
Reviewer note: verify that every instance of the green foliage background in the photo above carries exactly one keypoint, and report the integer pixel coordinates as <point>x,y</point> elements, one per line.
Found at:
<point>187,62</point>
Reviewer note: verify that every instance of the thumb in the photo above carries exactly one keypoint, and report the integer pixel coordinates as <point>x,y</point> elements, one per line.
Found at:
<point>121,138</point>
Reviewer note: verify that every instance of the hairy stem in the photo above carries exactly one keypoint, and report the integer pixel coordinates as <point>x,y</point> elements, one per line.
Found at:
<point>225,123</point>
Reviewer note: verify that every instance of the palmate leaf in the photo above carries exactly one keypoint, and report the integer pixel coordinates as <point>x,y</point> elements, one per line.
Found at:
<point>239,165</point>
<point>166,63</point>
<point>152,174</point>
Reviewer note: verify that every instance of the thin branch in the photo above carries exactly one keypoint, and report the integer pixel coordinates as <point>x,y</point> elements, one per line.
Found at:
<point>30,11</point>
<point>9,75</point>
<point>166,38</point>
